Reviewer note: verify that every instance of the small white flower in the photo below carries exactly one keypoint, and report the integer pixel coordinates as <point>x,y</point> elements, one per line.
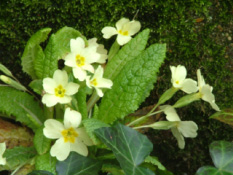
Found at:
<point>80,58</point>
<point>124,30</point>
<point>69,136</point>
<point>180,81</point>
<point>182,128</point>
<point>97,81</point>
<point>58,89</point>
<point>205,91</point>
<point>2,150</point>
<point>100,50</point>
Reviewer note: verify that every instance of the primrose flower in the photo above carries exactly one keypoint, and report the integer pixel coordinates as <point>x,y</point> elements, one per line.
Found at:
<point>2,150</point>
<point>97,81</point>
<point>124,30</point>
<point>81,58</point>
<point>100,50</point>
<point>69,136</point>
<point>182,128</point>
<point>205,91</point>
<point>180,81</point>
<point>58,89</point>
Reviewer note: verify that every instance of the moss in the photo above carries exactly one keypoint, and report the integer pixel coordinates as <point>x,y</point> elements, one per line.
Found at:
<point>196,35</point>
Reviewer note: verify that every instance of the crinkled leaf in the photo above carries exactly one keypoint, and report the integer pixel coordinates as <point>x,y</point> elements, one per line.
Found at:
<point>132,85</point>
<point>22,106</point>
<point>42,144</point>
<point>46,162</point>
<point>57,48</point>
<point>31,51</point>
<point>127,53</point>
<point>18,155</point>
<point>40,172</point>
<point>225,116</point>
<point>82,105</point>
<point>221,153</point>
<point>37,86</point>
<point>129,146</point>
<point>91,125</point>
<point>76,164</point>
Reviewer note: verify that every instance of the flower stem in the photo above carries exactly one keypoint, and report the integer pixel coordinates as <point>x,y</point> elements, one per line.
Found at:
<point>91,102</point>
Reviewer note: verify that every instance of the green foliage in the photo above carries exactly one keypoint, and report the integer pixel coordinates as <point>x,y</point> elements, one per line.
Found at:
<point>113,169</point>
<point>129,146</point>
<point>132,85</point>
<point>46,162</point>
<point>221,153</point>
<point>154,160</point>
<point>22,106</point>
<point>41,143</point>
<point>81,97</point>
<point>37,86</point>
<point>18,156</point>
<point>40,172</point>
<point>225,116</point>
<point>76,164</point>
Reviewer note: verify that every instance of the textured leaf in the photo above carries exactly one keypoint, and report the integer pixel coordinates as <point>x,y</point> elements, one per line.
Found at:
<point>129,146</point>
<point>222,155</point>
<point>127,53</point>
<point>46,162</point>
<point>40,172</point>
<point>57,48</point>
<point>225,116</point>
<point>25,169</point>
<point>31,50</point>
<point>76,164</point>
<point>132,85</point>
<point>91,125</point>
<point>36,86</point>
<point>22,106</point>
<point>82,105</point>
<point>18,155</point>
<point>41,143</point>
<point>155,161</point>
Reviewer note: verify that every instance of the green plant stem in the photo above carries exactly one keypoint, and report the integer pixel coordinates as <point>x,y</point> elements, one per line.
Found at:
<point>139,127</point>
<point>48,112</point>
<point>91,102</point>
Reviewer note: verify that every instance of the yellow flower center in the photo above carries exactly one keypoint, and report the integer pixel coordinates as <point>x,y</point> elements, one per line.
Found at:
<point>80,60</point>
<point>177,82</point>
<point>94,82</point>
<point>69,135</point>
<point>125,33</point>
<point>60,91</point>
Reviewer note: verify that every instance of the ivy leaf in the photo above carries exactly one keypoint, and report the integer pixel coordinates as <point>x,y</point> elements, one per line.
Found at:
<point>46,162</point>
<point>127,53</point>
<point>132,85</point>
<point>225,116</point>
<point>76,164</point>
<point>129,146</point>
<point>42,144</point>
<point>22,106</point>
<point>40,172</point>
<point>221,153</point>
<point>57,48</point>
<point>18,156</point>
<point>31,50</point>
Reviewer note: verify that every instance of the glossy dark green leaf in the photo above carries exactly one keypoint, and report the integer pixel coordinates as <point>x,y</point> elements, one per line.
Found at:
<point>76,164</point>
<point>225,116</point>
<point>129,146</point>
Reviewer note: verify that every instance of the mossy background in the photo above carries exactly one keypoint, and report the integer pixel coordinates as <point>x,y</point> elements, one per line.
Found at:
<point>198,34</point>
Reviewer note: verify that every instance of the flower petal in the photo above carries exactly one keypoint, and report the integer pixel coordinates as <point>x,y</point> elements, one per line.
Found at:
<point>82,135</point>
<point>60,77</point>
<point>121,39</point>
<point>53,129</point>
<point>71,88</point>
<point>99,92</point>
<point>179,137</point>
<point>120,24</point>
<point>132,27</point>
<point>188,128</point>
<point>72,118</point>
<point>60,149</point>
<point>64,100</point>
<point>79,73</point>
<point>49,85</point>
<point>108,32</point>
<point>200,79</point>
<point>79,147</point>
<point>170,112</point>
<point>70,60</point>
<point>76,45</point>
<point>50,100</point>
<point>104,83</point>
<point>189,86</point>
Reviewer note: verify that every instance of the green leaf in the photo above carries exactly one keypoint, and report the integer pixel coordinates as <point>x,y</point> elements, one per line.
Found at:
<point>155,161</point>
<point>37,86</point>
<point>126,54</point>
<point>40,172</point>
<point>132,85</point>
<point>91,125</point>
<point>18,156</point>
<point>221,153</point>
<point>41,143</point>
<point>31,50</point>
<point>129,146</point>
<point>5,70</point>
<point>46,162</point>
<point>76,164</point>
<point>82,105</point>
<point>57,48</point>
<point>225,116</point>
<point>22,106</point>
<point>113,169</point>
